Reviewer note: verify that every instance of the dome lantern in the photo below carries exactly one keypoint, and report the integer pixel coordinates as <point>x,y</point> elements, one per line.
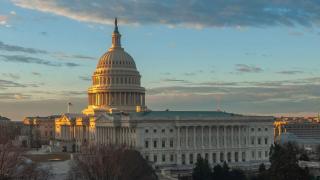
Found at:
<point>116,81</point>
<point>116,36</point>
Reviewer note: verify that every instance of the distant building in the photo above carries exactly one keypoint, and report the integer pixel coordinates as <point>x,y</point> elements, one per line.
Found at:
<point>39,130</point>
<point>303,131</point>
<point>117,115</point>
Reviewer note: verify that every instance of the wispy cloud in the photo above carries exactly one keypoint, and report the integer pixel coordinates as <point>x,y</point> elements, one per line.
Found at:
<point>85,78</point>
<point>191,13</point>
<point>33,60</point>
<point>36,73</point>
<point>58,55</point>
<point>11,75</point>
<point>290,72</point>
<point>244,68</point>
<point>13,96</point>
<point>14,48</point>
<point>4,84</point>
<point>175,80</point>
<point>3,20</point>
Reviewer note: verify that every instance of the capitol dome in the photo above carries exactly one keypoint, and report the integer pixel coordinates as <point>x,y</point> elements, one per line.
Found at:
<point>116,81</point>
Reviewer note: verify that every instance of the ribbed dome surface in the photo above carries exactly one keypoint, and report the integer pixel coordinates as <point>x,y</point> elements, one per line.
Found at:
<point>116,58</point>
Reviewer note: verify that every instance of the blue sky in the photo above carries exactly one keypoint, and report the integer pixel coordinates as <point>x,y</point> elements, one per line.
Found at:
<point>254,57</point>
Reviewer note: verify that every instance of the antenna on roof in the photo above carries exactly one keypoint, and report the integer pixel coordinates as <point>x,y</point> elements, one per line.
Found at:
<point>218,102</point>
<point>69,104</point>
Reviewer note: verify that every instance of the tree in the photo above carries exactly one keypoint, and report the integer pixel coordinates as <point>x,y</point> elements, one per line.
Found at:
<point>202,170</point>
<point>14,166</point>
<point>304,157</point>
<point>108,162</point>
<point>236,174</point>
<point>284,163</point>
<point>218,172</point>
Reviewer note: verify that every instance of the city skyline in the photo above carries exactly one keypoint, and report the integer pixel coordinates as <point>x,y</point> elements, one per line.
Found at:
<point>261,65</point>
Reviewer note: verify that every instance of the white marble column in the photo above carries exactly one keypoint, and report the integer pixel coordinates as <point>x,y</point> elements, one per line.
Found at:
<point>194,137</point>
<point>179,143</point>
<point>202,144</point>
<point>187,138</point>
<point>217,137</point>
<point>232,141</point>
<point>210,138</point>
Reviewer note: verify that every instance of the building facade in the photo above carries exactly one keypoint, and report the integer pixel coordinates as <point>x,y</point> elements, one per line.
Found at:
<point>117,115</point>
<point>303,131</point>
<point>39,130</point>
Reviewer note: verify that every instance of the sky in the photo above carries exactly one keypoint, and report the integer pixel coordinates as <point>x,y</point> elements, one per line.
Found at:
<point>246,56</point>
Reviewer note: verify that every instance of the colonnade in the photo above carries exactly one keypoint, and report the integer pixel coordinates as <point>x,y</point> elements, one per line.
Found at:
<point>117,98</point>
<point>116,135</point>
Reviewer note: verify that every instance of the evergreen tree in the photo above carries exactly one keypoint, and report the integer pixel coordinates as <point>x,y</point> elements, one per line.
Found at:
<point>202,170</point>
<point>284,163</point>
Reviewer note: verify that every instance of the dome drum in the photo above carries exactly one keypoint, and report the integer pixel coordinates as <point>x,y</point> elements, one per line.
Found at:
<point>116,82</point>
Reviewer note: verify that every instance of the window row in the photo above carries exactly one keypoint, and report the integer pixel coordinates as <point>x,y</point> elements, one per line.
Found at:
<point>155,130</point>
<point>156,145</point>
<point>259,141</point>
<point>116,80</point>
<point>259,129</point>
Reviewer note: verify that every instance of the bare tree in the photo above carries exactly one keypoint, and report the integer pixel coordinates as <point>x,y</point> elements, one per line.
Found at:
<point>111,163</point>
<point>13,165</point>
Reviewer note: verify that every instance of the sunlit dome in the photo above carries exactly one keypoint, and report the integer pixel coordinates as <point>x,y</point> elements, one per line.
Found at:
<point>116,82</point>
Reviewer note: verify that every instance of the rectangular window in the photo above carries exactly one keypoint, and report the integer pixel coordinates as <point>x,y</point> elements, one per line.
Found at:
<point>163,143</point>
<point>259,155</point>
<point>146,144</point>
<point>214,158</point>
<point>229,156</point>
<point>243,156</point>
<point>155,144</point>
<point>163,158</point>
<point>191,158</point>
<point>266,154</point>
<point>171,143</point>
<point>252,140</point>
<point>147,157</point>
<point>236,157</point>
<point>252,154</point>
<point>155,158</point>
<point>221,157</point>
<point>265,140</point>
<point>206,156</point>
<point>183,157</point>
<point>171,158</point>
<point>259,141</point>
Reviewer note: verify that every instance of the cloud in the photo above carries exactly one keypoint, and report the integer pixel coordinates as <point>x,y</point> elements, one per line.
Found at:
<point>3,20</point>
<point>191,13</point>
<point>59,55</point>
<point>33,60</point>
<point>11,75</point>
<point>174,80</point>
<point>189,74</point>
<point>13,96</point>
<point>85,78</point>
<point>4,84</point>
<point>14,48</point>
<point>244,68</point>
<point>290,72</point>
<point>296,33</point>
<point>70,64</point>
<point>36,74</point>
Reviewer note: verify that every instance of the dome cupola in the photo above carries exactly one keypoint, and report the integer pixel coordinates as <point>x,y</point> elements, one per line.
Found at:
<point>116,81</point>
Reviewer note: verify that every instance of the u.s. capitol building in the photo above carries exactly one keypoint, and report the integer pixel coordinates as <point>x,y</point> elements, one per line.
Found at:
<point>117,114</point>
